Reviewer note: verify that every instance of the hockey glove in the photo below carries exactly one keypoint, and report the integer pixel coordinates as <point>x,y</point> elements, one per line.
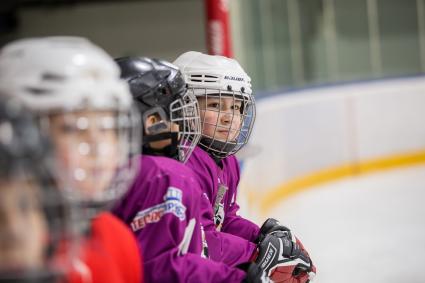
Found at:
<point>269,226</point>
<point>283,259</point>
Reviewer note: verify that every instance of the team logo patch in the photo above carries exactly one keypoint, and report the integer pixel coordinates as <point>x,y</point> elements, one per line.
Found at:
<point>172,204</point>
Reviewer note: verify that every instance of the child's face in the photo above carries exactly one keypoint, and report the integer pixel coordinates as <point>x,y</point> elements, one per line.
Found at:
<point>221,118</point>
<point>87,149</point>
<point>23,227</point>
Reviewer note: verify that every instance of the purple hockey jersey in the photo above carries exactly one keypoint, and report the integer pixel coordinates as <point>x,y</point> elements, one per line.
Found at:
<point>163,210</point>
<point>219,185</point>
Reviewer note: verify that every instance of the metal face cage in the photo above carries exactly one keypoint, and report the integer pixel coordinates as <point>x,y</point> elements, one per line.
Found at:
<point>185,112</point>
<point>95,152</point>
<point>227,120</point>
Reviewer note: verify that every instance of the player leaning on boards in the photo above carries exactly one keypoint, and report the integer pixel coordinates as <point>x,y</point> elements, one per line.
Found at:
<point>227,109</point>
<point>74,89</point>
<point>163,205</point>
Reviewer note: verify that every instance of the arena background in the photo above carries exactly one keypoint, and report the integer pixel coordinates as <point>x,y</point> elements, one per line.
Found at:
<point>338,149</point>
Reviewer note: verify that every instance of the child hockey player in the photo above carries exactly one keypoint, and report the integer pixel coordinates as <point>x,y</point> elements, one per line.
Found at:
<point>76,92</point>
<point>227,109</point>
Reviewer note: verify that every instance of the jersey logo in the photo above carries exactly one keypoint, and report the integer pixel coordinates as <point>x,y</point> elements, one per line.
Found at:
<point>172,204</point>
<point>219,207</point>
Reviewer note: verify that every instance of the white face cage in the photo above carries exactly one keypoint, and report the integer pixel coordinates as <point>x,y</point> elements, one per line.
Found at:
<point>227,120</point>
<point>185,113</point>
<point>96,152</point>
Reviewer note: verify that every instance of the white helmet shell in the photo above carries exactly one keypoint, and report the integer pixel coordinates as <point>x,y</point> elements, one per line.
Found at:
<point>61,73</point>
<point>213,72</point>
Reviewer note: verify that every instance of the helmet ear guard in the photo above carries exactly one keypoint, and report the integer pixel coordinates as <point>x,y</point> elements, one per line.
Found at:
<point>158,127</point>
<point>159,131</point>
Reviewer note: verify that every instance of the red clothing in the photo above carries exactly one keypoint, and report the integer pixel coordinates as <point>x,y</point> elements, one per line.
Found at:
<point>109,255</point>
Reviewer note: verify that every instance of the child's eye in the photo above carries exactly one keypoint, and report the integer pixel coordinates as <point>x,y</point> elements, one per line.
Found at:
<point>215,105</point>
<point>68,129</point>
<point>236,107</point>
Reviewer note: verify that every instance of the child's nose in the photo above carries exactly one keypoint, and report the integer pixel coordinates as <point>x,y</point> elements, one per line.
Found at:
<point>226,117</point>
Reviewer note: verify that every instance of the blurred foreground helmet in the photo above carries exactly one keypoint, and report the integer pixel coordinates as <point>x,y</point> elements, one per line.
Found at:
<point>74,88</point>
<point>62,74</point>
<point>33,213</point>
<point>159,89</point>
<point>225,99</point>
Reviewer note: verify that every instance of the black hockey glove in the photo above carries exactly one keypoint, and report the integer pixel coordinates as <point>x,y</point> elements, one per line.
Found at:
<point>269,226</point>
<point>283,259</point>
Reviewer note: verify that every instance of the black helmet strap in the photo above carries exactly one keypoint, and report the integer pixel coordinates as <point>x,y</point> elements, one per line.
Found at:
<point>169,151</point>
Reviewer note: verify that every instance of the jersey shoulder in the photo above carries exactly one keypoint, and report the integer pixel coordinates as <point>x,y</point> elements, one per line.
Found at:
<point>163,173</point>
<point>159,165</point>
<point>231,160</point>
<point>200,158</point>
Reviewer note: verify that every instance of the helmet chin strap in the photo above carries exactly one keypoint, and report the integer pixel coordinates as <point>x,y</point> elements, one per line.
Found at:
<point>218,150</point>
<point>170,150</point>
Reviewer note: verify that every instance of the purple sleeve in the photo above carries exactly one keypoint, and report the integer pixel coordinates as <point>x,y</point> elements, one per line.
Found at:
<point>224,247</point>
<point>233,223</point>
<point>189,268</point>
<point>236,225</point>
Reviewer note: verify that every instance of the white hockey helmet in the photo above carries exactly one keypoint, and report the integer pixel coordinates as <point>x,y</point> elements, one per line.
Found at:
<point>214,76</point>
<point>68,77</point>
<point>61,74</point>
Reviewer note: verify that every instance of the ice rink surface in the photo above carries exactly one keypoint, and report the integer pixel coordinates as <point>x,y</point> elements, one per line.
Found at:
<point>369,228</point>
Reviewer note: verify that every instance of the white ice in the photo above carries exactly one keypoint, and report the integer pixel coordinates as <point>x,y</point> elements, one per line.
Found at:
<point>364,229</point>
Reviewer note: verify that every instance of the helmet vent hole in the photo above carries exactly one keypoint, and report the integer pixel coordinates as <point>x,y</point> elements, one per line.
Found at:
<point>38,91</point>
<point>201,78</point>
<point>52,77</point>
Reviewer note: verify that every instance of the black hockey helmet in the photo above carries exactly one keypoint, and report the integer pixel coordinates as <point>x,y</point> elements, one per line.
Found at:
<point>158,88</point>
<point>24,154</point>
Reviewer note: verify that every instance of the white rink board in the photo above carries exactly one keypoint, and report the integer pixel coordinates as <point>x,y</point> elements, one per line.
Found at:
<point>314,129</point>
<point>363,229</point>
